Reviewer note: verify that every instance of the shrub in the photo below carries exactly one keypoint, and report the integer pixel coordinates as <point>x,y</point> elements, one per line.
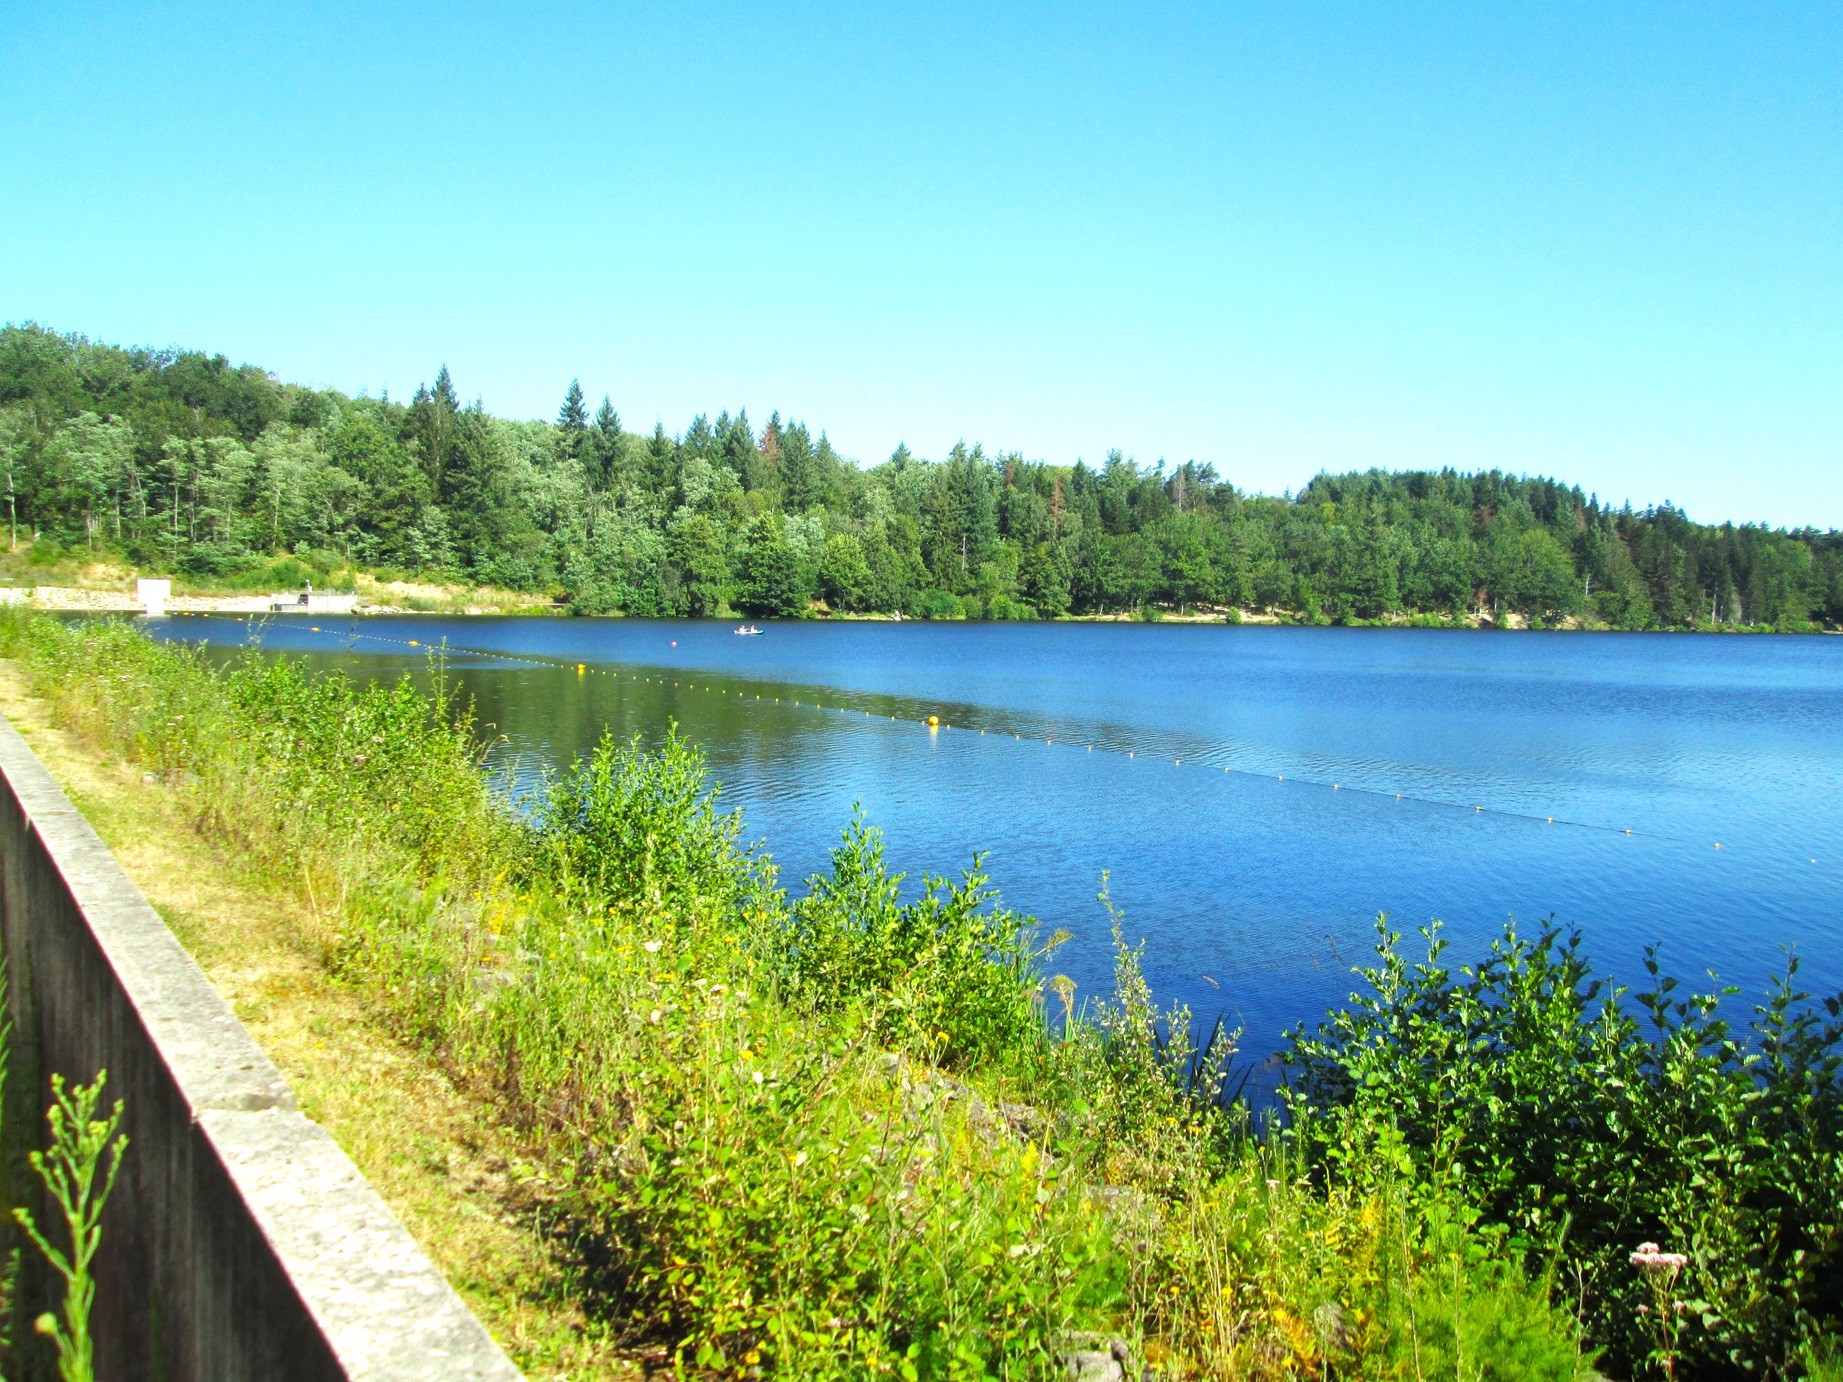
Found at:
<point>1003,607</point>
<point>1533,1092</point>
<point>950,974</point>
<point>643,829</point>
<point>937,604</point>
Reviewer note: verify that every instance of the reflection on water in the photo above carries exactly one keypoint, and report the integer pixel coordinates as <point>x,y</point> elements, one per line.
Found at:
<point>1470,777</point>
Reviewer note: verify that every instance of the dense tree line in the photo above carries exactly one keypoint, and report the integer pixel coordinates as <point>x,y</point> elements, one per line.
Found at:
<point>180,461</point>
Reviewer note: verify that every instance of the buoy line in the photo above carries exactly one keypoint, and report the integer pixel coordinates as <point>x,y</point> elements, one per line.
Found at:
<point>352,635</point>
<point>934,724</point>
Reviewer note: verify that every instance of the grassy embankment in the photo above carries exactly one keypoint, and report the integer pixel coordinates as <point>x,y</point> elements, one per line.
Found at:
<point>837,1135</point>
<point>441,1158</point>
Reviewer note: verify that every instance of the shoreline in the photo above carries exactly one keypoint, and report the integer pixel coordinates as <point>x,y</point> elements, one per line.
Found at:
<point>457,602</point>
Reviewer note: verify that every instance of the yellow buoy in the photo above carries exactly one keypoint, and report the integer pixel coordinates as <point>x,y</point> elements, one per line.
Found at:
<point>580,669</point>
<point>414,644</point>
<point>934,722</point>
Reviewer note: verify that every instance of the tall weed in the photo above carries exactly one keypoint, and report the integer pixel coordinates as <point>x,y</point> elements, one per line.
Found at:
<point>78,1169</point>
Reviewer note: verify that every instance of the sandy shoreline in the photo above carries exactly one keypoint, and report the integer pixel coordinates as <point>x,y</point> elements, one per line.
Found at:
<point>72,599</point>
<point>81,600</point>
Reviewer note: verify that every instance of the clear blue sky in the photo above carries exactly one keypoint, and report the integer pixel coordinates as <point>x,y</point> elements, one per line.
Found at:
<point>1600,242</point>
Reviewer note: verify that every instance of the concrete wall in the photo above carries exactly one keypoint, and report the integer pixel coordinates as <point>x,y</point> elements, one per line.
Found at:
<point>240,1243</point>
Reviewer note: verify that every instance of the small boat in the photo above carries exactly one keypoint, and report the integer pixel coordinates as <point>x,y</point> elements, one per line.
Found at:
<point>748,630</point>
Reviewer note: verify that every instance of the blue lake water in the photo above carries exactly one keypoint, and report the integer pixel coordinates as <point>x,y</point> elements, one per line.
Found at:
<point>1410,772</point>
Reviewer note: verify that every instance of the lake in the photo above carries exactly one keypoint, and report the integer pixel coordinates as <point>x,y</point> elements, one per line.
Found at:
<point>1256,795</point>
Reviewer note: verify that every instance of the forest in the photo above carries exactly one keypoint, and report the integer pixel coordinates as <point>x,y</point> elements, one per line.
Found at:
<point>178,461</point>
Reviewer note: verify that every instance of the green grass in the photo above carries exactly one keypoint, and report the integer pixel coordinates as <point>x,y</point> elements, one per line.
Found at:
<point>816,1134</point>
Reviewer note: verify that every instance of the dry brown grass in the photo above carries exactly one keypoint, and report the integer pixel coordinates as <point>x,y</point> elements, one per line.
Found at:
<point>441,1160</point>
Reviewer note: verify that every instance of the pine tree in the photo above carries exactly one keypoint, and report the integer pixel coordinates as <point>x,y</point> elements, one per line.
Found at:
<point>444,392</point>
<point>659,458</point>
<point>430,426</point>
<point>572,420</point>
<point>602,447</point>
<point>799,471</point>
<point>741,455</point>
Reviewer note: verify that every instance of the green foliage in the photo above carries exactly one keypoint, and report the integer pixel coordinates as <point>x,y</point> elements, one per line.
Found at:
<point>773,581</point>
<point>180,462</point>
<point>338,760</point>
<point>75,1176</point>
<point>1535,1094</point>
<point>1823,1361</point>
<point>937,604</point>
<point>1468,1315</point>
<point>845,578</point>
<point>949,976</point>
<point>1349,1275</point>
<point>641,829</point>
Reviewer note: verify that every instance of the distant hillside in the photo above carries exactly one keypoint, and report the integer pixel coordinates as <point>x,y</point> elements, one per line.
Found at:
<point>179,461</point>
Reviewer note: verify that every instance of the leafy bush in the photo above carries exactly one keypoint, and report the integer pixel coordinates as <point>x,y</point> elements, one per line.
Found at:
<point>1533,1092</point>
<point>945,974</point>
<point>1242,1265</point>
<point>936,604</point>
<point>1003,607</point>
<point>642,828</point>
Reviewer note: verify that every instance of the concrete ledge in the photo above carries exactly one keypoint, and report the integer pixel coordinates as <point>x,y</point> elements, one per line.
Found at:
<point>241,1243</point>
